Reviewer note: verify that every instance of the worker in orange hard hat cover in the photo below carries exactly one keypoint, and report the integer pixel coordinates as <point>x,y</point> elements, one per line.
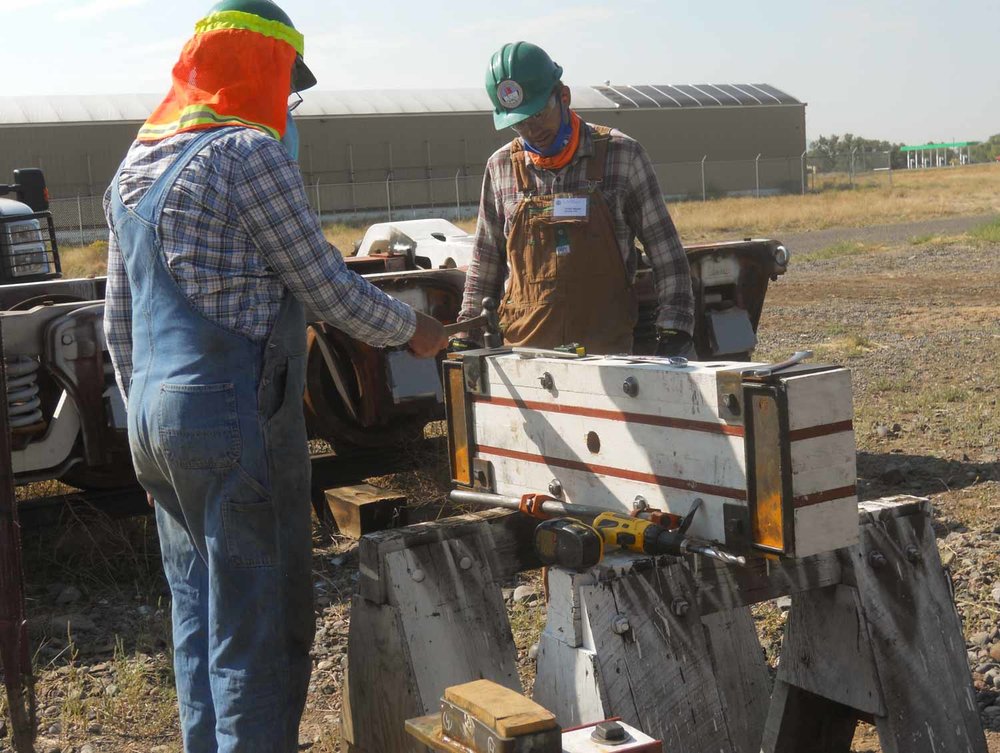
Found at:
<point>561,208</point>
<point>213,253</point>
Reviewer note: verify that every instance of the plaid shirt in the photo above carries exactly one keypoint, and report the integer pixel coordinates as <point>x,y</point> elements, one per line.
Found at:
<point>237,234</point>
<point>633,194</point>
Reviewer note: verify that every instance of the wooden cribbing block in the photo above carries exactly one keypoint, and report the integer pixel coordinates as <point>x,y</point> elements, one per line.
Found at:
<point>363,508</point>
<point>500,708</point>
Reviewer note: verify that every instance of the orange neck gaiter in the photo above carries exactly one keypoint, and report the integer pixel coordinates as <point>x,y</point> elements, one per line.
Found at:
<point>235,71</point>
<point>557,161</point>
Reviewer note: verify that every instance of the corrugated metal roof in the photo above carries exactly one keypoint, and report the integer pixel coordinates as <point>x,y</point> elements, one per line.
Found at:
<point>97,108</point>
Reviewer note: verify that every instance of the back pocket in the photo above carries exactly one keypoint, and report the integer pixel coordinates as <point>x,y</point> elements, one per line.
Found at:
<point>199,427</point>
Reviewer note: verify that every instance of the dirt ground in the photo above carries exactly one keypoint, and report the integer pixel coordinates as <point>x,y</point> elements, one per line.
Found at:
<point>914,312</point>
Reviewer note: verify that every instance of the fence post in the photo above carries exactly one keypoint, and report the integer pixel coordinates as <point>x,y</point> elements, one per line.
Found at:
<point>802,168</point>
<point>756,170</point>
<point>851,171</point>
<point>703,196</point>
<point>458,196</point>
<point>79,219</point>
<point>388,195</point>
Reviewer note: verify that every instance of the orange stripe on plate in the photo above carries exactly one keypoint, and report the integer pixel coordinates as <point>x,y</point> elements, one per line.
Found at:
<point>830,494</point>
<point>821,430</point>
<point>604,470</point>
<point>614,415</point>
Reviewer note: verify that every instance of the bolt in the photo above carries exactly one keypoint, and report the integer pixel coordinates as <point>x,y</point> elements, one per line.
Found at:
<point>679,606</point>
<point>733,404</point>
<point>417,575</point>
<point>640,503</point>
<point>67,339</point>
<point>546,381</point>
<point>913,554</point>
<point>555,488</point>
<point>465,563</point>
<point>630,387</point>
<point>876,559</point>
<point>609,732</point>
<point>620,625</point>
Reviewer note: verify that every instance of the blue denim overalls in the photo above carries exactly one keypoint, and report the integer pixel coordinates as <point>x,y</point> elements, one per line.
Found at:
<point>218,437</point>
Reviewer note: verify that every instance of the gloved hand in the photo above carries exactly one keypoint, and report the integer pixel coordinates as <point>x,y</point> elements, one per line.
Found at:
<point>458,344</point>
<point>674,342</point>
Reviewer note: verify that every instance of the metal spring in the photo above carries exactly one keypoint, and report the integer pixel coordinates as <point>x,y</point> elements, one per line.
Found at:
<point>23,403</point>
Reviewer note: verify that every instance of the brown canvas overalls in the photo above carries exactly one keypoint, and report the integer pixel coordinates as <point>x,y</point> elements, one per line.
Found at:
<point>567,277</point>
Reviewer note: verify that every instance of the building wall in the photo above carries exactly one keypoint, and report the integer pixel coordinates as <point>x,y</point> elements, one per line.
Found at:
<point>81,159</point>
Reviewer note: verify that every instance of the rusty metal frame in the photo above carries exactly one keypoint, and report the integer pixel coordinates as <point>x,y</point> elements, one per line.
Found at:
<point>15,657</point>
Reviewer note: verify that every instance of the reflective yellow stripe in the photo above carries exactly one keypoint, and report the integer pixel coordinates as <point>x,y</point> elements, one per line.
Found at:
<point>196,115</point>
<point>235,19</point>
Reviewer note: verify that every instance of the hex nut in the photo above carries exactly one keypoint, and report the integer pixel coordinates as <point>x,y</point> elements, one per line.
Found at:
<point>620,625</point>
<point>546,381</point>
<point>680,606</point>
<point>630,387</point>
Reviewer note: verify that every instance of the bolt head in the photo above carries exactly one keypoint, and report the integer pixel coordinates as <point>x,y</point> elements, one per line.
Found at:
<point>418,575</point>
<point>630,387</point>
<point>546,381</point>
<point>913,554</point>
<point>680,607</point>
<point>609,732</point>
<point>555,488</point>
<point>465,563</point>
<point>876,559</point>
<point>620,625</point>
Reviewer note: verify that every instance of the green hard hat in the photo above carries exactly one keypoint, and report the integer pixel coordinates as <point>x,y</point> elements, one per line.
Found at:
<point>519,80</point>
<point>302,77</point>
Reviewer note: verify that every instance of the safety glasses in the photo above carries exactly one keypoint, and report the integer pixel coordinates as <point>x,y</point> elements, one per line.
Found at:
<point>533,120</point>
<point>294,100</point>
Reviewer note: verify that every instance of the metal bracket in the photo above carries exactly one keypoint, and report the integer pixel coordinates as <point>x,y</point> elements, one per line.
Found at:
<point>482,476</point>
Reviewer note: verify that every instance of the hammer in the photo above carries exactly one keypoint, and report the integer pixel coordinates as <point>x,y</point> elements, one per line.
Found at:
<point>487,319</point>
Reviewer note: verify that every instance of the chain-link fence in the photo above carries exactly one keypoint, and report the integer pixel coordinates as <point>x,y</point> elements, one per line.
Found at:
<point>80,219</point>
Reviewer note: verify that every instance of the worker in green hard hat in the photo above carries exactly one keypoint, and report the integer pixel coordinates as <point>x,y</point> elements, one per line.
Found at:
<point>213,257</point>
<point>561,209</point>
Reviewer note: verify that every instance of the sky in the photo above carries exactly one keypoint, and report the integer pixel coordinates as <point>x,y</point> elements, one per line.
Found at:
<point>908,72</point>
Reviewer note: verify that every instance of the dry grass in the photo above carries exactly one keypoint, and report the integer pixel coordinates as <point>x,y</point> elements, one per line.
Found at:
<point>84,261</point>
<point>915,195</point>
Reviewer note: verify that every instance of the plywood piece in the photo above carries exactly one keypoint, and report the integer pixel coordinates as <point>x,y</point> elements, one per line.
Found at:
<point>743,681</point>
<point>916,640</point>
<point>455,620</point>
<point>666,662</point>
<point>379,685</point>
<point>505,711</point>
<point>822,652</point>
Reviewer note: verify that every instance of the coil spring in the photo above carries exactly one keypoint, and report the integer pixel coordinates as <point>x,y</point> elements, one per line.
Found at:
<point>23,403</point>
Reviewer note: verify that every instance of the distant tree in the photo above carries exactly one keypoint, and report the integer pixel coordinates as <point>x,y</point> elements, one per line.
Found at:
<point>837,150</point>
<point>988,150</point>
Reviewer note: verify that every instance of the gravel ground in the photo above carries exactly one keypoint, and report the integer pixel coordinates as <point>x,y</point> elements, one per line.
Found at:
<point>919,324</point>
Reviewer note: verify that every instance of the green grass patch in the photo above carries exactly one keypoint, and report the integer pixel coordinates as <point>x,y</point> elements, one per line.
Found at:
<point>947,393</point>
<point>884,383</point>
<point>838,251</point>
<point>987,233</point>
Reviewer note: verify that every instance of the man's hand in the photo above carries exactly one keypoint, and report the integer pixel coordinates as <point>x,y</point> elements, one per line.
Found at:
<point>672,342</point>
<point>429,339</point>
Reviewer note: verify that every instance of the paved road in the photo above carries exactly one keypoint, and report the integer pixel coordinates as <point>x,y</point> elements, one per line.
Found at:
<point>815,240</point>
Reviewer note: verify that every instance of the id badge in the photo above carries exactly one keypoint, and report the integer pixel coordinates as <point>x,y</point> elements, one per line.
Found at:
<point>570,207</point>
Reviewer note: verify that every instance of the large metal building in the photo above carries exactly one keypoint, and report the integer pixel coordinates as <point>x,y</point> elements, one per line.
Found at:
<point>366,149</point>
